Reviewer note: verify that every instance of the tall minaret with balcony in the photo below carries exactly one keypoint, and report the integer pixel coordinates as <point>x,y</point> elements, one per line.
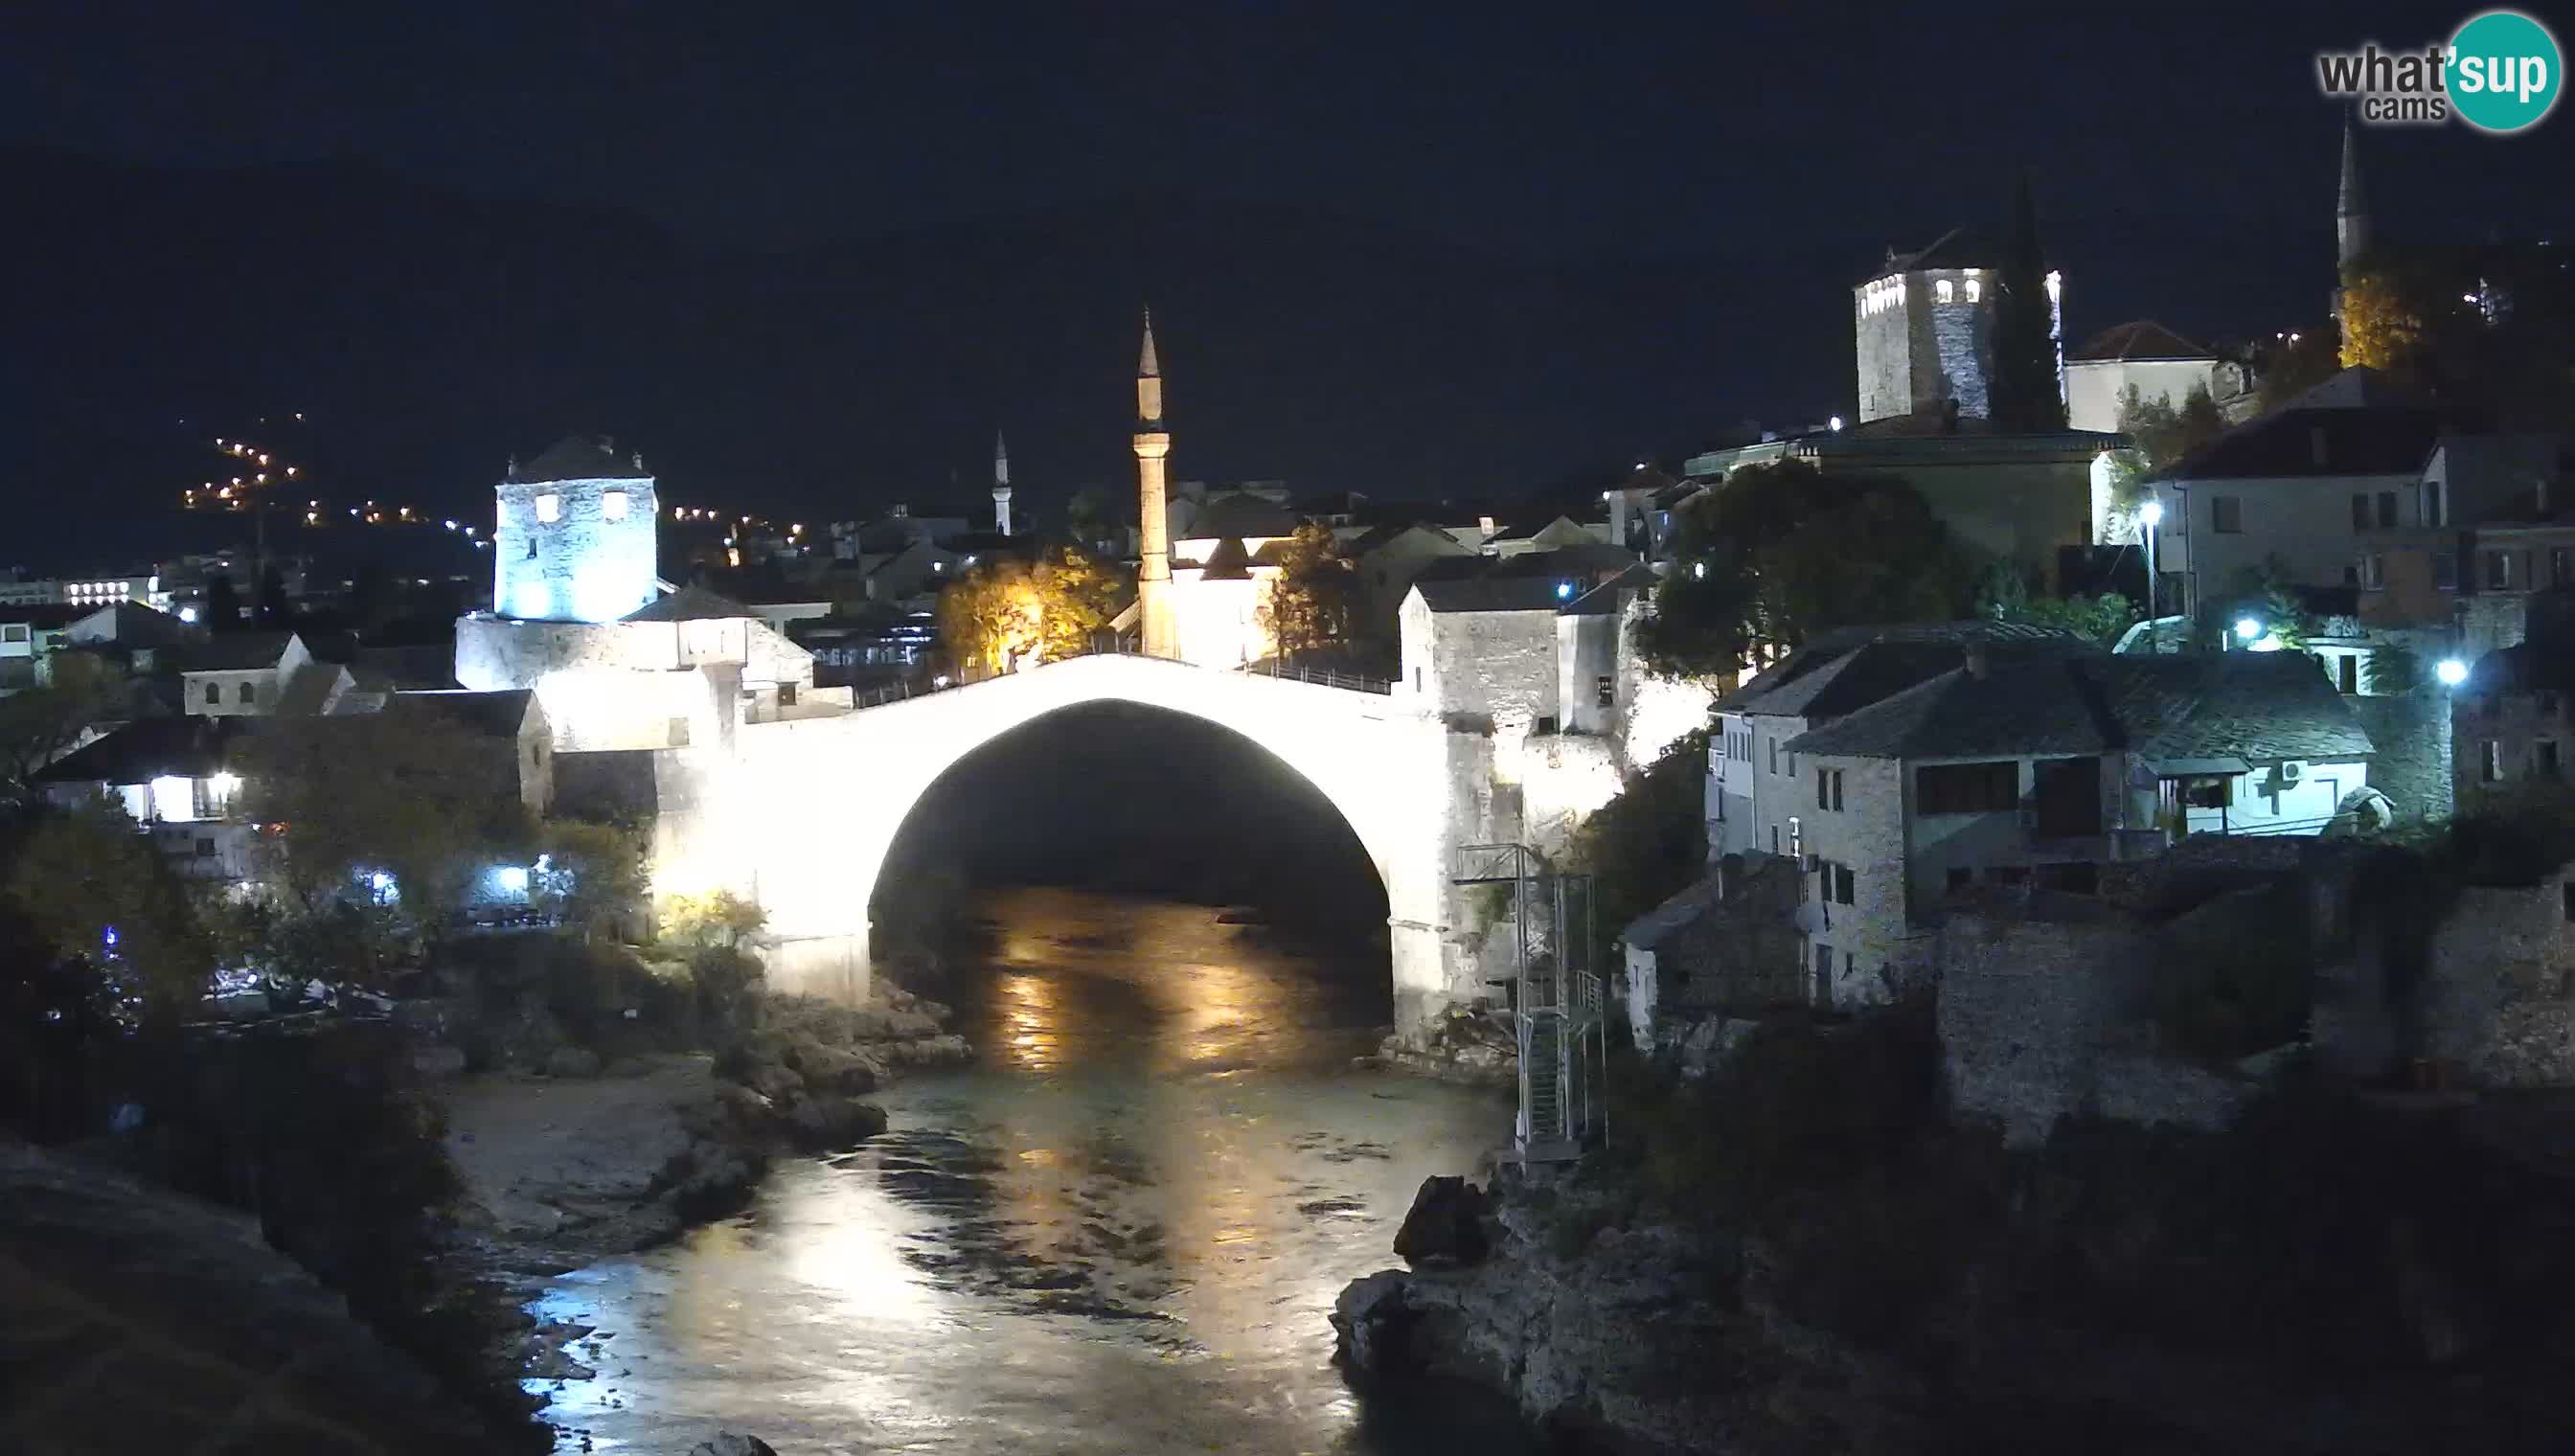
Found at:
<point>2351,217</point>
<point>1000,485</point>
<point>1158,628</point>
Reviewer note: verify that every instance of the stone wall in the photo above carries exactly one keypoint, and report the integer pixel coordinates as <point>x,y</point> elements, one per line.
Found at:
<point>2413,737</point>
<point>582,566</point>
<point>2499,993</point>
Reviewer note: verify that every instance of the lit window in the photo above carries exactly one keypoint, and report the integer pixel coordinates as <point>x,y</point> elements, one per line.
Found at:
<point>1945,289</point>
<point>550,506</point>
<point>1975,289</point>
<point>611,505</point>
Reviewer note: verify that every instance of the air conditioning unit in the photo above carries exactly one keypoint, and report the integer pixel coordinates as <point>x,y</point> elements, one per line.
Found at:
<point>2292,770</point>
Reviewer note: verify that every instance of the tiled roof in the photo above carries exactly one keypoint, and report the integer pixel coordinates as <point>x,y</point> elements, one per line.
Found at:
<point>499,714</point>
<point>583,458</point>
<point>2141,338</point>
<point>149,749</point>
<point>2379,439</point>
<point>690,604</point>
<point>1489,593</point>
<point>1916,651</point>
<point>2259,707</point>
<point>1228,562</point>
<point>232,651</point>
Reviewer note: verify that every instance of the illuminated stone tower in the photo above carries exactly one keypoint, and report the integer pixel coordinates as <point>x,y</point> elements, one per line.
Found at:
<point>573,536</point>
<point>1000,485</point>
<point>1159,629</point>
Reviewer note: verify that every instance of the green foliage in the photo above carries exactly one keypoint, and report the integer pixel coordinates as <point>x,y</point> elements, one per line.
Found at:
<point>79,876</point>
<point>1308,608</point>
<point>594,875</point>
<point>1782,551</point>
<point>2390,670</point>
<point>2165,433</point>
<point>410,793</point>
<point>726,980</point>
<point>2293,369</point>
<point>1647,844</point>
<point>2003,595</point>
<point>2388,314</point>
<point>717,919</point>
<point>2026,392</point>
<point>42,722</point>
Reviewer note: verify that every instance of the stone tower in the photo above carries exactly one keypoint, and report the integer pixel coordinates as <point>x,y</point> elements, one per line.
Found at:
<point>1000,485</point>
<point>575,536</point>
<point>1159,629</point>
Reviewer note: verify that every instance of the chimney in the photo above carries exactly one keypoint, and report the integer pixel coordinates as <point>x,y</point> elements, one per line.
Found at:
<point>1980,661</point>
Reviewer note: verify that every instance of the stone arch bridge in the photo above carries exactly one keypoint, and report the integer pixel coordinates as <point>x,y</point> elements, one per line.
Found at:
<point>801,813</point>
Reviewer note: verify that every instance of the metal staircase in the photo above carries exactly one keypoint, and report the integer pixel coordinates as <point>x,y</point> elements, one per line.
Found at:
<point>1556,997</point>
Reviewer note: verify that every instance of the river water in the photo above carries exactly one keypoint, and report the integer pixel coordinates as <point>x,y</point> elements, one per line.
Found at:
<point>1120,1231</point>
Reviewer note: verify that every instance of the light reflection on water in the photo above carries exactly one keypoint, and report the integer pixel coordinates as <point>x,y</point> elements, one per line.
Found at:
<point>1120,1233</point>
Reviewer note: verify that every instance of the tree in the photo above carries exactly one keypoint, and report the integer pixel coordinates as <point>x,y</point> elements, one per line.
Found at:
<point>2027,394</point>
<point>590,875</point>
<point>1645,845</point>
<point>1782,551</point>
<point>2004,596</point>
<point>2165,433</point>
<point>223,608</point>
<point>717,919</point>
<point>1309,606</point>
<point>94,887</point>
<point>39,724</point>
<point>411,795</point>
<point>1008,612</point>
<point>2387,318</point>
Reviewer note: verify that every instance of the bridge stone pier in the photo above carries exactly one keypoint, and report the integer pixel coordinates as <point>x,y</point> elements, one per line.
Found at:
<point>801,813</point>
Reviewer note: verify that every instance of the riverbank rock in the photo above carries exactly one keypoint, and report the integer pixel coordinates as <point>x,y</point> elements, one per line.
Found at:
<point>572,1061</point>
<point>1445,1227</point>
<point>829,1122</point>
<point>1370,1323</point>
<point>729,1444</point>
<point>1472,1044</point>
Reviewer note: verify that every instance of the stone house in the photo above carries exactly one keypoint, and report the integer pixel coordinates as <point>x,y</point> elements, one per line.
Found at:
<point>2510,720</point>
<point>174,776</point>
<point>1725,945</point>
<point>1753,802</point>
<point>1385,561</point>
<point>2043,771</point>
<point>2143,354</point>
<point>247,674</point>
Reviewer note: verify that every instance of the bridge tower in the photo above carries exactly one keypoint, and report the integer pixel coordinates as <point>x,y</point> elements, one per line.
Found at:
<point>1158,628</point>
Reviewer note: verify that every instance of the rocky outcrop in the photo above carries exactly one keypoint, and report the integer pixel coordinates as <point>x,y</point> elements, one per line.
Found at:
<point>729,1444</point>
<point>1444,1228</point>
<point>798,1075</point>
<point>1473,1044</point>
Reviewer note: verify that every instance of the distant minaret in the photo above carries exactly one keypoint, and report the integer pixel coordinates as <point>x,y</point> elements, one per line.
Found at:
<point>1160,631</point>
<point>2351,217</point>
<point>1000,485</point>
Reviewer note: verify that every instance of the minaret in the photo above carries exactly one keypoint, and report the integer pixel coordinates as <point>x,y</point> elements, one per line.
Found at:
<point>1160,631</point>
<point>2351,219</point>
<point>1000,485</point>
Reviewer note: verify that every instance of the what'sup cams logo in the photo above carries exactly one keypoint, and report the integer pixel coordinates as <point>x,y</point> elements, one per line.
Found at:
<point>2500,72</point>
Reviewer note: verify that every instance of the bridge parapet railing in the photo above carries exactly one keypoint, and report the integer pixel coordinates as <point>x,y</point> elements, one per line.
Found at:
<point>907,688</point>
<point>1320,676</point>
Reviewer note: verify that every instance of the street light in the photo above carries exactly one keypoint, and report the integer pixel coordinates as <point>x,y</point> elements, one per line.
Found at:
<point>2451,671</point>
<point>2246,629</point>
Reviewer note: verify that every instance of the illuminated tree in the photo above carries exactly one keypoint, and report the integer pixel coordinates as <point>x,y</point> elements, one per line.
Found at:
<point>716,920</point>
<point>1010,612</point>
<point>2387,323</point>
<point>93,886</point>
<point>1309,606</point>
<point>2166,433</point>
<point>409,794</point>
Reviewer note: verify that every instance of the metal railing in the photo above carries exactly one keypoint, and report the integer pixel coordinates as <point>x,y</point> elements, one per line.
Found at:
<point>1319,677</point>
<point>904,688</point>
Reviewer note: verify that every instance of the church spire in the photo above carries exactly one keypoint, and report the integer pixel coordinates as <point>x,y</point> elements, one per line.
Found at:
<point>2351,208</point>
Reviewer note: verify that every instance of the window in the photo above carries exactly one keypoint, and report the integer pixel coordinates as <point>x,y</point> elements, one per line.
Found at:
<point>214,693</point>
<point>2431,503</point>
<point>205,849</point>
<point>1774,839</point>
<point>611,505</point>
<point>2543,759</point>
<point>2347,674</point>
<point>1843,883</point>
<point>2386,510</point>
<point>1824,798</point>
<point>1824,973</point>
<point>2373,570</point>
<point>786,694</point>
<point>1975,289</point>
<point>14,631</point>
<point>1944,290</point>
<point>2498,571</point>
<point>2210,792</point>
<point>1416,680</point>
<point>550,506</point>
<point>2359,511</point>
<point>1605,688</point>
<point>1965,788</point>
<point>1774,755</point>
<point>2490,763</point>
<point>2225,514</point>
<point>2561,567</point>
<point>2566,898</point>
<point>248,695</point>
<point>2445,569</point>
<point>1544,725</point>
<point>1959,876</point>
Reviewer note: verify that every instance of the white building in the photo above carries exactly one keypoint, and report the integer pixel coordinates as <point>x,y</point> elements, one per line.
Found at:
<point>2160,364</point>
<point>2038,771</point>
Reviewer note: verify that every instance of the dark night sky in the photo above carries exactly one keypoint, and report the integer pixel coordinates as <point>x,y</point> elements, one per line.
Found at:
<point>1402,248</point>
